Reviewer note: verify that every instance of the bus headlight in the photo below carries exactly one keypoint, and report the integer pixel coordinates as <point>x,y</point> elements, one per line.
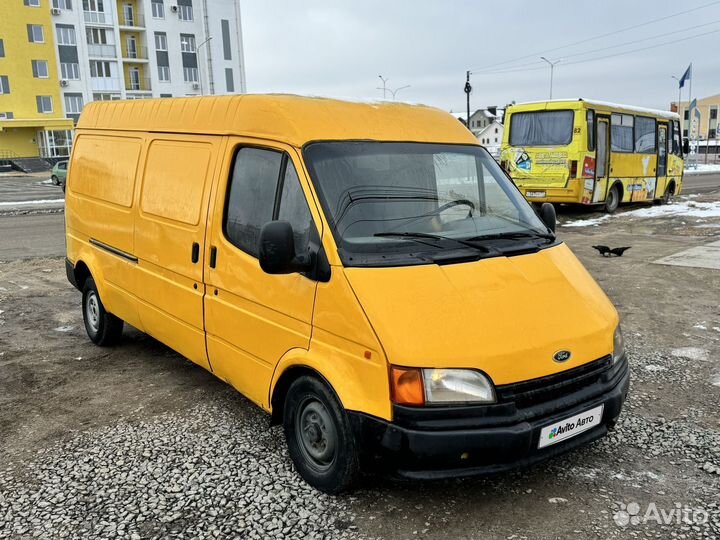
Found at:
<point>618,345</point>
<point>457,386</point>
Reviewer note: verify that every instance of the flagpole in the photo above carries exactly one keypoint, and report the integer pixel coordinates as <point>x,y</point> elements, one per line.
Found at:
<point>690,113</point>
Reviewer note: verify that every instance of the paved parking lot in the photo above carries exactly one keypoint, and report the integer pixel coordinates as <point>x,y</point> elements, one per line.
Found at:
<point>135,442</point>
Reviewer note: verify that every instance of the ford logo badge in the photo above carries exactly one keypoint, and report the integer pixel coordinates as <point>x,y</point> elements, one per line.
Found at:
<point>562,356</point>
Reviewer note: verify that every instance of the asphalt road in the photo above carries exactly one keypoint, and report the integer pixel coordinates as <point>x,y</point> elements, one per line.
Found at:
<point>41,235</point>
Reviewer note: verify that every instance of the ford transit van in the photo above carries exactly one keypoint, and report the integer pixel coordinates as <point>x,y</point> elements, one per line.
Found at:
<point>365,273</point>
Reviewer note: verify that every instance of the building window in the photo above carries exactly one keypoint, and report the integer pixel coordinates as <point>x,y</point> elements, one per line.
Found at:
<point>44,104</point>
<point>229,80</point>
<point>62,4</point>
<point>106,97</point>
<point>70,71</point>
<point>93,5</point>
<point>185,13</point>
<point>73,103</point>
<point>713,113</point>
<point>161,41</point>
<point>4,84</point>
<point>99,69</point>
<point>187,43</point>
<point>2,48</point>
<point>54,143</point>
<point>32,3</point>
<point>165,95</point>
<point>96,36</point>
<point>35,33</point>
<point>685,133</point>
<point>66,35</point>
<point>164,73</point>
<point>190,74</point>
<point>227,48</point>
<point>40,69</point>
<point>158,9</point>
<point>6,116</point>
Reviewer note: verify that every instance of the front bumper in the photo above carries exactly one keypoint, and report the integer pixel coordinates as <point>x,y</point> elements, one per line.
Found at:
<point>431,443</point>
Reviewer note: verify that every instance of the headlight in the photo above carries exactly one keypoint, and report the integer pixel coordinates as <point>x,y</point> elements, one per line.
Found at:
<point>618,345</point>
<point>414,386</point>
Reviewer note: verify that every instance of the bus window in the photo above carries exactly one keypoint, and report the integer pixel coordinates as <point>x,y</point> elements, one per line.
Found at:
<point>677,148</point>
<point>541,128</point>
<point>645,129</point>
<point>591,129</point>
<point>621,133</point>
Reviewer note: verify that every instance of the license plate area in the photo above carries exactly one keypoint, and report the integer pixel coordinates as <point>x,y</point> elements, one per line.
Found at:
<point>571,426</point>
<point>535,194</point>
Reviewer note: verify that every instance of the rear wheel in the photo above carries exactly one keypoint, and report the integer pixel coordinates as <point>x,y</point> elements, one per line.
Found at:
<point>613,200</point>
<point>669,194</point>
<point>319,438</point>
<point>55,180</point>
<point>102,328</point>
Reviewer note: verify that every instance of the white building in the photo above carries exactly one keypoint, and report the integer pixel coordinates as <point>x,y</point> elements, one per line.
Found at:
<point>135,49</point>
<point>486,125</point>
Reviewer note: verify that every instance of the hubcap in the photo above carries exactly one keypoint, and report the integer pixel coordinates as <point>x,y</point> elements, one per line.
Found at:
<point>92,310</point>
<point>316,434</point>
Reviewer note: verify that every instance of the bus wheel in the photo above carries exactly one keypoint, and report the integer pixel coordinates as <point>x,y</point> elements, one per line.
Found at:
<point>613,200</point>
<point>319,437</point>
<point>669,193</point>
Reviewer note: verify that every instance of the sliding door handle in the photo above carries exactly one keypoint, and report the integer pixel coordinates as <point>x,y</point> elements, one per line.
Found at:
<point>195,252</point>
<point>213,256</point>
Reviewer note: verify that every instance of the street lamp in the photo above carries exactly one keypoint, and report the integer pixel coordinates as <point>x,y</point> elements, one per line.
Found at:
<point>384,86</point>
<point>552,67</point>
<point>393,92</point>
<point>197,52</point>
<point>679,92</point>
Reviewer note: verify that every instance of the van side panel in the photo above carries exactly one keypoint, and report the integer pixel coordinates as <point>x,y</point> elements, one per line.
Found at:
<point>170,240</point>
<point>99,215</point>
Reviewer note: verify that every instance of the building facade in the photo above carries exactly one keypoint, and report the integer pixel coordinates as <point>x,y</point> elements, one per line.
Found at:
<point>133,49</point>
<point>32,118</point>
<point>709,107</point>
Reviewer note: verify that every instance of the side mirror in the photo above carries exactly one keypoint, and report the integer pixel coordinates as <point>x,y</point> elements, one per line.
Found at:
<point>548,216</point>
<point>686,146</point>
<point>276,250</point>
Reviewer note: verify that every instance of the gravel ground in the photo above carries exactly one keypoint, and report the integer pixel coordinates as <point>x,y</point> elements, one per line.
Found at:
<point>135,442</point>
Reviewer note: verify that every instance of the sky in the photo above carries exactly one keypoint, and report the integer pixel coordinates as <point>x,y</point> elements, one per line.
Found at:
<point>339,48</point>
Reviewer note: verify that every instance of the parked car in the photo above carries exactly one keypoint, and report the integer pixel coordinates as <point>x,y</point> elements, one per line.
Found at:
<point>59,174</point>
<point>366,274</point>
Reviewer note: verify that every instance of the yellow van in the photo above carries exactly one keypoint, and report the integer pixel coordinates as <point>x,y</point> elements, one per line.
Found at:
<point>365,273</point>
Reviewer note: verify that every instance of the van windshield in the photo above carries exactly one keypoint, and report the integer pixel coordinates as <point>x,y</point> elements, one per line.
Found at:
<point>541,128</point>
<point>392,203</point>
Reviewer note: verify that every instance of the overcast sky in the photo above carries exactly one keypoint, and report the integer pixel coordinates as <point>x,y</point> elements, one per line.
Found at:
<point>339,47</point>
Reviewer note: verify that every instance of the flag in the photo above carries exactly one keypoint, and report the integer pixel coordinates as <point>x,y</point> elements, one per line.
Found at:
<point>686,76</point>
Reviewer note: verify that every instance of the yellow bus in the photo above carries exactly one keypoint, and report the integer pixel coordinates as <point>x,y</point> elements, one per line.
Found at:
<point>592,152</point>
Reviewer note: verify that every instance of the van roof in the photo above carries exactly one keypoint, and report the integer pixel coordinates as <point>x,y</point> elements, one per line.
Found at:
<point>295,120</point>
<point>529,105</point>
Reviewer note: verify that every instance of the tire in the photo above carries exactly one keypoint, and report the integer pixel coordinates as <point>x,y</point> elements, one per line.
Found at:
<point>103,328</point>
<point>668,195</point>
<point>319,438</point>
<point>55,180</point>
<point>613,200</point>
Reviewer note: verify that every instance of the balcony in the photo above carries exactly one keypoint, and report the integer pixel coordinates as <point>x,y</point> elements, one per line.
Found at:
<point>97,17</point>
<point>105,84</point>
<point>136,54</point>
<point>138,85</point>
<point>99,50</point>
<point>131,20</point>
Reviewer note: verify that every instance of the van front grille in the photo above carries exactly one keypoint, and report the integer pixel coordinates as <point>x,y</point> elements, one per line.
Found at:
<point>535,391</point>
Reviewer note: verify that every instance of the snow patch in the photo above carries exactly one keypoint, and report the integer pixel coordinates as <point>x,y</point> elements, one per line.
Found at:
<point>685,208</point>
<point>652,368</point>
<point>593,222</point>
<point>63,328</point>
<point>27,203</point>
<point>700,326</point>
<point>692,353</point>
<point>702,167</point>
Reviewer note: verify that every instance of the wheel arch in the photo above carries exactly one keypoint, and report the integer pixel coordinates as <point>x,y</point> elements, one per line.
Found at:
<point>278,392</point>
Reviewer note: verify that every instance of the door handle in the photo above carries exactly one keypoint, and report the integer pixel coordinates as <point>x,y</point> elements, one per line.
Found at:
<point>213,256</point>
<point>195,252</point>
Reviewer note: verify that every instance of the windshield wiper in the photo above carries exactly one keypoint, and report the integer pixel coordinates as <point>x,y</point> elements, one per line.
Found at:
<point>418,235</point>
<point>513,235</point>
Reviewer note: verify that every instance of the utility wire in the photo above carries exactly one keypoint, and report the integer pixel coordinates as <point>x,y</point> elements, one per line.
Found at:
<point>653,21</point>
<point>649,38</point>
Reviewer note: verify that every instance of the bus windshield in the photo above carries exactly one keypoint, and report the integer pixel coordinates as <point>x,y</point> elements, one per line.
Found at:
<point>388,199</point>
<point>541,128</point>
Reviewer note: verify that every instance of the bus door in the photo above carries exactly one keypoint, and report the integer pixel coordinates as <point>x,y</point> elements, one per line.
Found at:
<point>662,158</point>
<point>602,155</point>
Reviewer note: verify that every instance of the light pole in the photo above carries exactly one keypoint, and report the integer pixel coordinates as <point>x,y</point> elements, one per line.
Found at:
<point>384,86</point>
<point>552,68</point>
<point>197,51</point>
<point>679,92</point>
<point>393,92</point>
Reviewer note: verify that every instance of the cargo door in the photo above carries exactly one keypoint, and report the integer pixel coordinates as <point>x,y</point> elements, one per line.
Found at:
<point>170,240</point>
<point>253,318</point>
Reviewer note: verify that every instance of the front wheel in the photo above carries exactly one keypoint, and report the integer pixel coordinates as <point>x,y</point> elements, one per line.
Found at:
<point>55,180</point>
<point>669,194</point>
<point>102,328</point>
<point>319,438</point>
<point>613,200</point>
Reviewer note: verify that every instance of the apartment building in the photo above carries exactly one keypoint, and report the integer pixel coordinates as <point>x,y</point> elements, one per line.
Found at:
<point>32,118</point>
<point>131,49</point>
<point>708,128</point>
